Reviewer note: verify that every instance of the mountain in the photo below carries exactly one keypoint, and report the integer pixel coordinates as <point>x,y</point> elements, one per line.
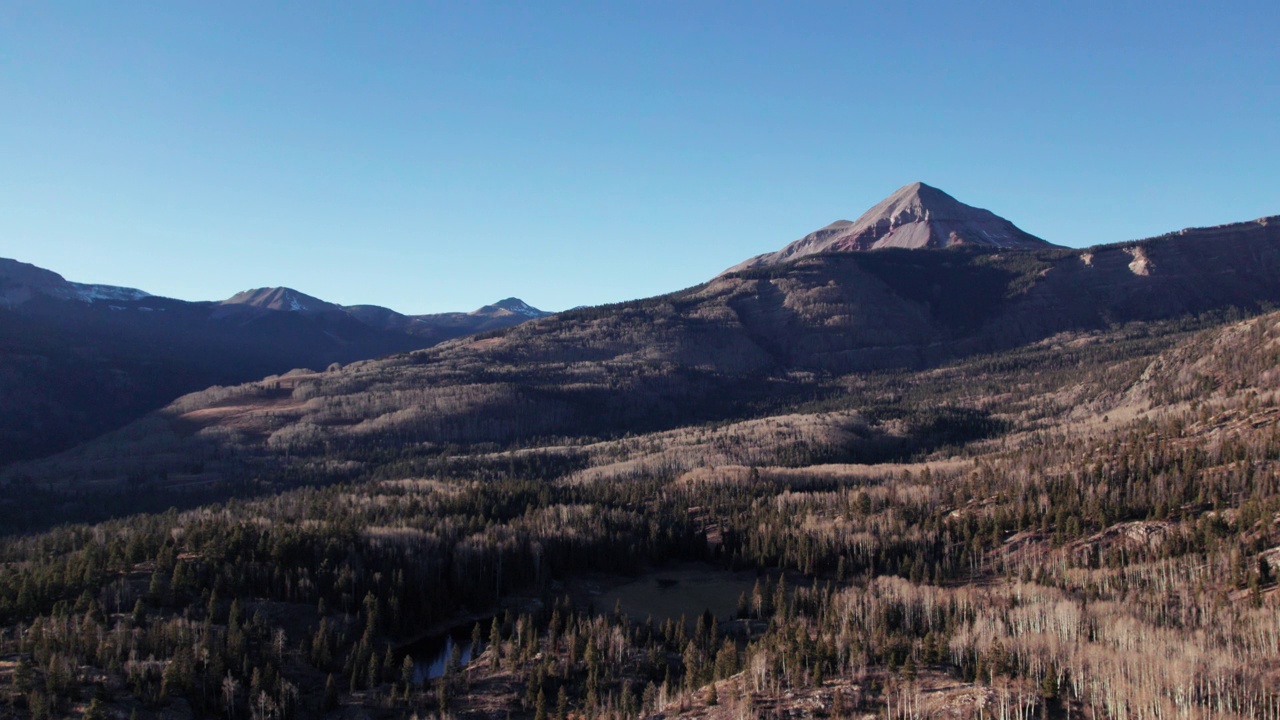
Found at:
<point>280,298</point>
<point>444,326</point>
<point>744,343</point>
<point>916,216</point>
<point>78,360</point>
<point>955,482</point>
<point>511,307</point>
<point>21,282</point>
<point>1036,510</point>
<point>436,327</point>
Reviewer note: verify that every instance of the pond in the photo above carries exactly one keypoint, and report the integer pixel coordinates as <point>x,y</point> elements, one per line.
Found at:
<point>668,593</point>
<point>431,654</point>
<point>688,590</point>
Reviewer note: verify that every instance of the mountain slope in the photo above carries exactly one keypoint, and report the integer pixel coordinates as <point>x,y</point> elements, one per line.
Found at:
<point>742,344</point>
<point>21,282</point>
<point>915,216</point>
<point>1085,523</point>
<point>78,360</point>
<point>1006,514</point>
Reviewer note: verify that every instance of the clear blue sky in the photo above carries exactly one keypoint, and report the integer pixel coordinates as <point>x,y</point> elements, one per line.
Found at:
<point>434,156</point>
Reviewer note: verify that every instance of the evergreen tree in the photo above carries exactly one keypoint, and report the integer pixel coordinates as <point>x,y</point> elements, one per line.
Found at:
<point>330,693</point>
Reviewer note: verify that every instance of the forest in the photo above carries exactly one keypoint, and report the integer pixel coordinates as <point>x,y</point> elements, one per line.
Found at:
<point>1084,527</point>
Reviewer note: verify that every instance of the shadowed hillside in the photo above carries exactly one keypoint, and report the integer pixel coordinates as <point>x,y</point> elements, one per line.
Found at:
<point>79,360</point>
<point>743,345</point>
<point>1089,524</point>
<point>955,483</point>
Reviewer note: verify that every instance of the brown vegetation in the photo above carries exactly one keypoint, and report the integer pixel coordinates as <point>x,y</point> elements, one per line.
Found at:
<point>1085,526</point>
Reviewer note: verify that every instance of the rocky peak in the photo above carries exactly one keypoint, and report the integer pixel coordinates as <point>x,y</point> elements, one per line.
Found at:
<point>915,216</point>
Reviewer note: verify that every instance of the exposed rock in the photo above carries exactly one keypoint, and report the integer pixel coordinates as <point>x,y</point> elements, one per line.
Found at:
<point>1141,264</point>
<point>916,216</point>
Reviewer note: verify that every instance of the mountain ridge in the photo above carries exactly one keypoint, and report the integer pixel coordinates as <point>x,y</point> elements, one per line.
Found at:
<point>287,299</point>
<point>722,350</point>
<point>987,470</point>
<point>741,337</point>
<point>20,282</point>
<point>77,360</point>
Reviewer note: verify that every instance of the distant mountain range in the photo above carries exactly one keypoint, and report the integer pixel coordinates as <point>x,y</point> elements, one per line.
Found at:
<point>77,360</point>
<point>433,328</point>
<point>746,341</point>
<point>437,327</point>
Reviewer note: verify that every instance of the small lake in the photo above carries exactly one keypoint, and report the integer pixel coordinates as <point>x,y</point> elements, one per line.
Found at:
<point>667,593</point>
<point>686,590</point>
<point>431,654</point>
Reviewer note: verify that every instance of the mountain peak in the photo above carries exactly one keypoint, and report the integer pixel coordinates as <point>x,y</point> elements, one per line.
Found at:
<point>920,195</point>
<point>915,216</point>
<point>281,298</point>
<point>512,306</point>
<point>919,201</point>
<point>919,189</point>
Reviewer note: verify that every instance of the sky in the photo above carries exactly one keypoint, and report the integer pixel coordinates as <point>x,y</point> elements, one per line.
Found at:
<point>435,156</point>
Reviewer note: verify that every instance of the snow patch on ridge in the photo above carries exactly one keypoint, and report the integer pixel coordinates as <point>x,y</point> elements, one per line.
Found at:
<point>93,293</point>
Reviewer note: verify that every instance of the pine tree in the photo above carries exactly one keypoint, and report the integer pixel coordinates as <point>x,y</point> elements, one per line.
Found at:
<point>495,644</point>
<point>442,695</point>
<point>330,693</point>
<point>23,676</point>
<point>540,706</point>
<point>562,704</point>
